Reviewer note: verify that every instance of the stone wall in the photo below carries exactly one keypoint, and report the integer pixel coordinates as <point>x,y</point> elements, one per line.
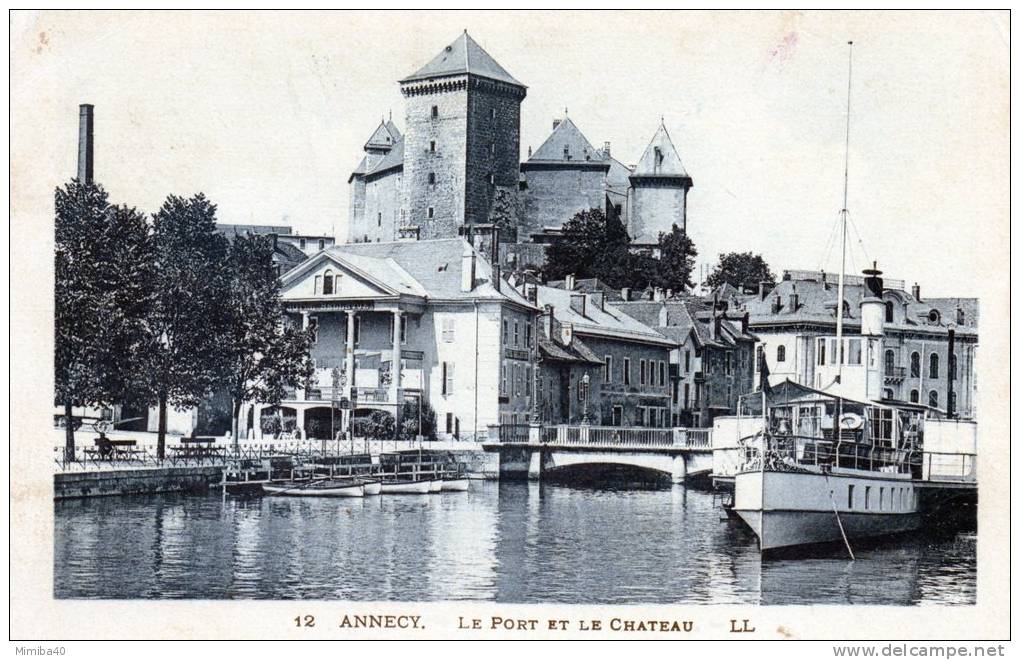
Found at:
<point>493,146</point>
<point>555,194</point>
<point>384,201</point>
<point>655,207</point>
<point>133,482</point>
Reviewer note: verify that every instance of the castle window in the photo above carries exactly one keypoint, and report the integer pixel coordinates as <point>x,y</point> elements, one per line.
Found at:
<point>378,220</point>
<point>431,213</point>
<point>933,365</point>
<point>915,365</point>
<point>435,112</point>
<point>432,178</point>
<point>432,146</point>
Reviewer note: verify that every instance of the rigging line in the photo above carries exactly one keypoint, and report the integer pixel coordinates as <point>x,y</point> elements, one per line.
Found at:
<point>860,241</point>
<point>829,245</point>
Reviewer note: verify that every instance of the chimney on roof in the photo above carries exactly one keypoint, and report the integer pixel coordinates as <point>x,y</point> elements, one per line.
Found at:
<point>916,292</point>
<point>794,299</point>
<point>578,303</point>
<point>85,126</point>
<point>625,293</point>
<point>777,304</point>
<point>606,153</point>
<point>531,293</point>
<point>529,151</point>
<point>598,298</point>
<point>570,282</point>
<point>467,269</point>
<point>497,279</point>
<point>556,124</point>
<point>547,320</point>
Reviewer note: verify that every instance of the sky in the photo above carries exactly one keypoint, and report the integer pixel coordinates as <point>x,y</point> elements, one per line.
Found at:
<point>266,113</point>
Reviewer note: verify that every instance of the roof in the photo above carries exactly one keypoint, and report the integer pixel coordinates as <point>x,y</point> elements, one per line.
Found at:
<point>606,321</point>
<point>660,158</point>
<point>392,160</point>
<point>566,144</point>
<point>384,137</point>
<point>816,303</point>
<point>427,268</point>
<point>576,352</point>
<point>685,316</point>
<point>235,230</point>
<point>463,56</point>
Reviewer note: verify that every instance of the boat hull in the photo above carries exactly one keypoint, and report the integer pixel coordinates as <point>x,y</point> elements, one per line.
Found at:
<point>372,487</point>
<point>436,485</point>
<point>787,509</point>
<point>352,490</point>
<point>407,487</point>
<point>458,485</point>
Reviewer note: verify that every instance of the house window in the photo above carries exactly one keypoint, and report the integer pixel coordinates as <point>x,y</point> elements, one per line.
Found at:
<point>915,365</point>
<point>687,360</point>
<point>449,422</point>
<point>527,335</point>
<point>933,399</point>
<point>855,351</point>
<point>506,332</point>
<point>517,334</point>
<point>729,360</point>
<point>933,365</point>
<point>889,308</point>
<point>431,213</point>
<point>435,112</point>
<point>915,396</point>
<point>327,283</point>
<point>432,178</point>
<point>447,378</point>
<point>687,395</point>
<point>607,370</point>
<point>641,372</point>
<point>662,373</point>
<point>617,415</point>
<point>890,362</point>
<point>502,379</point>
<point>432,146</point>
<point>301,243</point>
<point>626,371</point>
<point>318,284</point>
<point>821,351</point>
<point>448,331</point>
<point>780,355</point>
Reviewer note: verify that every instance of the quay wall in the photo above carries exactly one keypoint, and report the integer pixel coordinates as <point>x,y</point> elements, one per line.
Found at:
<point>67,485</point>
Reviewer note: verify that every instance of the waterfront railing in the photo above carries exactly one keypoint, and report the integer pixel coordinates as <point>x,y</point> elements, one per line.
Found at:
<point>606,436</point>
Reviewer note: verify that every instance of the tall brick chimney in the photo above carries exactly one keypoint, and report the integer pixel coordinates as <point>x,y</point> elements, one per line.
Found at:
<point>85,124</point>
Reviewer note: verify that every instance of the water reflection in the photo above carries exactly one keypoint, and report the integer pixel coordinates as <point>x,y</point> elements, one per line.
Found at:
<point>505,542</point>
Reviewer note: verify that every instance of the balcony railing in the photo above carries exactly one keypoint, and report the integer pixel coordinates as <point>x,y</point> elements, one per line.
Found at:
<point>895,373</point>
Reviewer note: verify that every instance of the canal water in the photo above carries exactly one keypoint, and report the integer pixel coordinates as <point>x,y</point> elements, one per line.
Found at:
<point>504,542</point>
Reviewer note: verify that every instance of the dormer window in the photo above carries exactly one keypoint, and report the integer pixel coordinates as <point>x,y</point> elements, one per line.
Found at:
<point>933,316</point>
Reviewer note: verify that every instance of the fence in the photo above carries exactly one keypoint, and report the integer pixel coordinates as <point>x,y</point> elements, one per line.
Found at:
<point>610,436</point>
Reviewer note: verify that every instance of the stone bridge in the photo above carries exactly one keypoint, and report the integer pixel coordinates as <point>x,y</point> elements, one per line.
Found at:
<point>535,452</point>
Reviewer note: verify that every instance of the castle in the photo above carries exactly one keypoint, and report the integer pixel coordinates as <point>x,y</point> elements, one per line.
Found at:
<point>456,169</point>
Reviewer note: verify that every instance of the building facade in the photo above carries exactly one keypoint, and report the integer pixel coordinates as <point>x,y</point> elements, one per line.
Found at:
<point>408,320</point>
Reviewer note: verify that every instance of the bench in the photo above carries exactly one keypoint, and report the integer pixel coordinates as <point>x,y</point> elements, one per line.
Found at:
<point>108,449</point>
<point>198,440</point>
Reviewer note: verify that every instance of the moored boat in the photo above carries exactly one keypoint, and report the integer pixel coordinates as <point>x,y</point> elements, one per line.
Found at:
<point>406,486</point>
<point>458,484</point>
<point>436,485</point>
<point>372,487</point>
<point>322,488</point>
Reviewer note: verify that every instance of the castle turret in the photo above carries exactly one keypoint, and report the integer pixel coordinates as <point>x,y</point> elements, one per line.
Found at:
<point>658,196</point>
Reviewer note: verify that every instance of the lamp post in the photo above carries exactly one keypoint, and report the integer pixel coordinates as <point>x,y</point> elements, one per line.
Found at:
<point>585,383</point>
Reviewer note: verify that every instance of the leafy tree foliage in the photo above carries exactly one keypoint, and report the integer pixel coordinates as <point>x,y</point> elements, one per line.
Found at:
<point>262,356</point>
<point>181,359</point>
<point>103,259</point>
<point>676,261</point>
<point>409,420</point>
<point>743,270</point>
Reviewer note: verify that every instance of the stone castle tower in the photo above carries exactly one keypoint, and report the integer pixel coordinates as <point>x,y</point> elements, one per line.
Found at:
<point>658,195</point>
<point>462,139</point>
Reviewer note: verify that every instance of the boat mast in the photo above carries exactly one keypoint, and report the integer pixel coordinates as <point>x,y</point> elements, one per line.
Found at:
<point>842,219</point>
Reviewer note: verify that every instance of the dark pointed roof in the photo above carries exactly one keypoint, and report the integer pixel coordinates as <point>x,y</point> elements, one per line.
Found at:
<point>393,159</point>
<point>566,144</point>
<point>660,158</point>
<point>464,55</point>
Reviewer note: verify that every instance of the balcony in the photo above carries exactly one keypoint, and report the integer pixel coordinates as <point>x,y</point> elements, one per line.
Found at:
<point>894,375</point>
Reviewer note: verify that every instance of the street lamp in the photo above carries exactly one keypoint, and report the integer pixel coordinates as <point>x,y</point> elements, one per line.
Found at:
<point>585,382</point>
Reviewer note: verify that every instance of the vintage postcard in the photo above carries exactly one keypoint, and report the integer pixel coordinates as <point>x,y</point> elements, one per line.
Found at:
<point>510,325</point>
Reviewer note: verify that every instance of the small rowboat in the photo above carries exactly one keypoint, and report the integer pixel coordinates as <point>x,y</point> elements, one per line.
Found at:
<point>458,484</point>
<point>323,488</point>
<point>436,485</point>
<point>417,487</point>
<point>372,487</point>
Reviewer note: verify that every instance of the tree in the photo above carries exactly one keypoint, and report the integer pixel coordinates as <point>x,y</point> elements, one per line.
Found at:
<point>181,360</point>
<point>262,355</point>
<point>743,270</point>
<point>102,260</point>
<point>676,260</point>
<point>591,246</point>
